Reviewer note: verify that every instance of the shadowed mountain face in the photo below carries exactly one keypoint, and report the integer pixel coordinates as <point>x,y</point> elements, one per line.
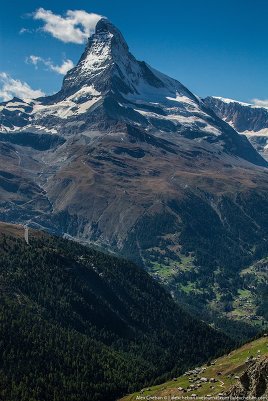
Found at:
<point>245,118</point>
<point>128,158</point>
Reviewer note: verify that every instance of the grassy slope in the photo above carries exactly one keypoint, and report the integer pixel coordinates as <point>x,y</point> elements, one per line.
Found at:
<point>12,230</point>
<point>17,231</point>
<point>229,366</point>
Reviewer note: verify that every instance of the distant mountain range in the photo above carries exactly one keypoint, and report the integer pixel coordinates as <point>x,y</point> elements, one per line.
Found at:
<point>245,118</point>
<point>129,159</point>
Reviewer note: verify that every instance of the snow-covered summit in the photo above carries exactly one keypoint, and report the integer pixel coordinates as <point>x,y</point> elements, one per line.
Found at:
<point>228,101</point>
<point>109,80</point>
<point>108,64</point>
<point>109,89</point>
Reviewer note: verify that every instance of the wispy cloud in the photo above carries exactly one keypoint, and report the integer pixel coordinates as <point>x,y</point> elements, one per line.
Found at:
<point>25,30</point>
<point>74,27</point>
<point>60,69</point>
<point>260,102</point>
<point>33,60</point>
<point>10,87</point>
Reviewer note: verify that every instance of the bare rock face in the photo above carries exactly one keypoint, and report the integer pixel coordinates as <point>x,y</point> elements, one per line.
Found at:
<point>253,382</point>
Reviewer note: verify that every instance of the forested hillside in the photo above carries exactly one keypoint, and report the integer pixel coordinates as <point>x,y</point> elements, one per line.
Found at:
<point>77,324</point>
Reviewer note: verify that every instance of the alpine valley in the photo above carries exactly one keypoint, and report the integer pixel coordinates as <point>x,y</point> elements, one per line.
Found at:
<point>129,160</point>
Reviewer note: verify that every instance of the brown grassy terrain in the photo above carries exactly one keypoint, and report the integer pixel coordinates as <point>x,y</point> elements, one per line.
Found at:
<point>17,231</point>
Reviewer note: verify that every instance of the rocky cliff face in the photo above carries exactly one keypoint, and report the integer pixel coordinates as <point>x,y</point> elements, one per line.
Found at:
<point>253,382</point>
<point>245,118</point>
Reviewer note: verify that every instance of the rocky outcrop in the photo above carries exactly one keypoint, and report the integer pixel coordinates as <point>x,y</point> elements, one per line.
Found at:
<point>253,382</point>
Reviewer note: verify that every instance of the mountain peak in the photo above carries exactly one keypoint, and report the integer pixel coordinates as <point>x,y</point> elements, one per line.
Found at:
<point>105,51</point>
<point>110,86</point>
<point>107,42</point>
<point>108,33</point>
<point>104,26</point>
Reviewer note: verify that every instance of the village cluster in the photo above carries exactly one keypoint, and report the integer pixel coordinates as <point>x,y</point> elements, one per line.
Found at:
<point>197,379</point>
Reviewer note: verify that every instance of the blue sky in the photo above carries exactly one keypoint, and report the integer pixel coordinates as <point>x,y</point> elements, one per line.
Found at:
<point>214,48</point>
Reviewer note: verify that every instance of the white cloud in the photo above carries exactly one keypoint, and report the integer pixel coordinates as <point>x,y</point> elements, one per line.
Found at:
<point>259,102</point>
<point>64,68</point>
<point>74,27</point>
<point>60,69</point>
<point>34,60</point>
<point>10,87</point>
<point>24,30</point>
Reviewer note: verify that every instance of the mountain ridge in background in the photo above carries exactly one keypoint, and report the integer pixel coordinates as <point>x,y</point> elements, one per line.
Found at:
<point>247,119</point>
